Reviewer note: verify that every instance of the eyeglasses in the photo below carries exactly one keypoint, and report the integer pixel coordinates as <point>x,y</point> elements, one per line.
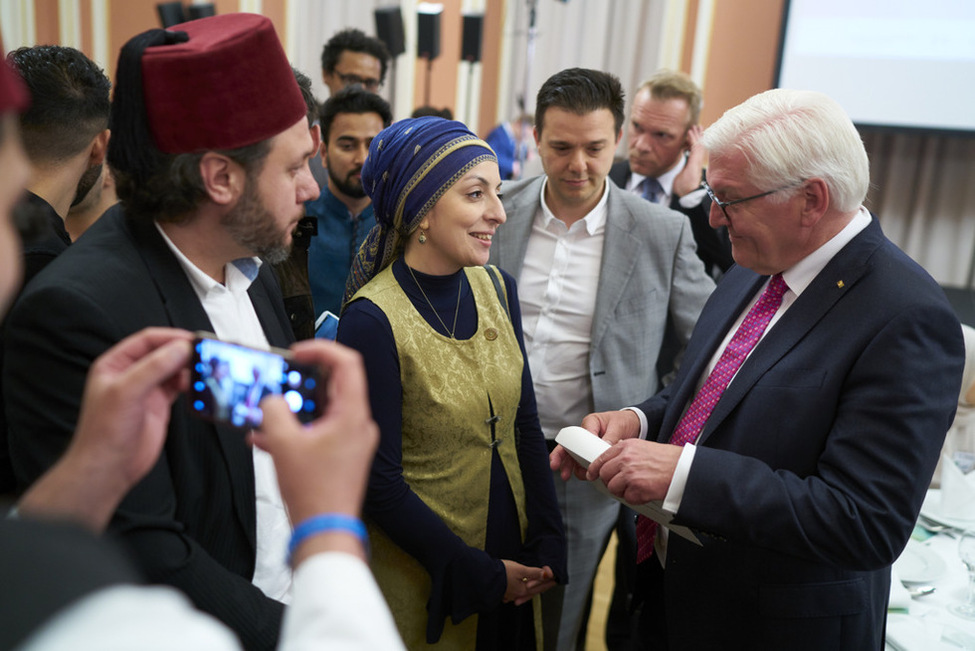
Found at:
<point>724,204</point>
<point>371,85</point>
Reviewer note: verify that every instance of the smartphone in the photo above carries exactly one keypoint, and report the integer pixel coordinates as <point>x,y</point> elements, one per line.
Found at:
<point>228,381</point>
<point>327,326</point>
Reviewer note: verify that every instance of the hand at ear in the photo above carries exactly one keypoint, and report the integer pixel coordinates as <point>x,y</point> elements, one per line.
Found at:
<point>689,178</point>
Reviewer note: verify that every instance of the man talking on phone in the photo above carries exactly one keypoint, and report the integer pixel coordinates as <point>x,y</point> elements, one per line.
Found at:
<point>665,161</point>
<point>205,192</point>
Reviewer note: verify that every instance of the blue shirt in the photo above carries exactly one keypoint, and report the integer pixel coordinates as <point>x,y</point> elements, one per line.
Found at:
<point>330,254</point>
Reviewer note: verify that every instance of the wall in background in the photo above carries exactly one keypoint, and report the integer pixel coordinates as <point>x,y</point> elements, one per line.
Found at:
<point>923,184</point>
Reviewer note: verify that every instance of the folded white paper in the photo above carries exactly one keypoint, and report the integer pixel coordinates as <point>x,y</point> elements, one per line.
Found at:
<point>900,598</point>
<point>957,491</point>
<point>584,446</point>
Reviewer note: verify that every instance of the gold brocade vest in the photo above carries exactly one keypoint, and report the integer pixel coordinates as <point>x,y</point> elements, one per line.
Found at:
<point>452,389</point>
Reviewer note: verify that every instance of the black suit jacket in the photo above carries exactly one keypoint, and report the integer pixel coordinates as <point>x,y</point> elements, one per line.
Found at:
<point>46,567</point>
<point>47,242</point>
<point>713,245</point>
<point>810,472</point>
<point>191,522</point>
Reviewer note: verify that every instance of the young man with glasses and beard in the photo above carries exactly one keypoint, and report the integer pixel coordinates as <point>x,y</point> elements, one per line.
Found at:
<point>350,57</point>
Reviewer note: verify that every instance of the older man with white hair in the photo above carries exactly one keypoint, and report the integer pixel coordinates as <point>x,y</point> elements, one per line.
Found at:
<point>801,431</point>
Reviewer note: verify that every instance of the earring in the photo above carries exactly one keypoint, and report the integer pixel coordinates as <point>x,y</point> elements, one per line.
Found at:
<point>423,238</point>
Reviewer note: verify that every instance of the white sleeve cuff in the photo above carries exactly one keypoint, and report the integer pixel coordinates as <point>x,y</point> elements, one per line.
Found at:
<point>692,199</point>
<point>337,605</point>
<point>676,491</point>
<point>643,420</point>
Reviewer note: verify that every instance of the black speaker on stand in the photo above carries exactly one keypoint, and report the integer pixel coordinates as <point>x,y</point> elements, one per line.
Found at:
<point>470,47</point>
<point>202,10</point>
<point>470,51</point>
<point>428,41</point>
<point>170,13</point>
<point>389,30</point>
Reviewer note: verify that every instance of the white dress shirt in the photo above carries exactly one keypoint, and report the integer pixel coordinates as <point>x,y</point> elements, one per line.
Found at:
<point>337,606</point>
<point>557,290</point>
<point>233,318</point>
<point>666,181</point>
<point>798,278</point>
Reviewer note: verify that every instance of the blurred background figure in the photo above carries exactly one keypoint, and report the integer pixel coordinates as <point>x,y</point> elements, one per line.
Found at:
<point>100,198</point>
<point>665,160</point>
<point>432,111</point>
<point>350,58</point>
<point>65,135</point>
<point>513,143</point>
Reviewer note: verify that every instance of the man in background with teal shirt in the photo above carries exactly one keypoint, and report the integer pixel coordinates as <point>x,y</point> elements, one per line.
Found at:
<point>350,119</point>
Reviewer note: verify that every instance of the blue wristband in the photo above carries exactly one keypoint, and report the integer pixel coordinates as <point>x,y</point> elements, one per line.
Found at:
<point>326,523</point>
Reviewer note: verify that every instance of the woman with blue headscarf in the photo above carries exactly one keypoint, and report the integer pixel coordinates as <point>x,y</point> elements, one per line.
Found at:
<point>461,508</point>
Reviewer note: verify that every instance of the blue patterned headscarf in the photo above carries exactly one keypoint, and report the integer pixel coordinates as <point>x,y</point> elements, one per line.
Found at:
<point>411,164</point>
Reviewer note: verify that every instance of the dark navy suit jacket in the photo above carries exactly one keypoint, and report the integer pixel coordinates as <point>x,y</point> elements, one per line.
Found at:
<point>810,472</point>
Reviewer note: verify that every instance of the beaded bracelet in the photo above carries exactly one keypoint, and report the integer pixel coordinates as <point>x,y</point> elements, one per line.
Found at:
<point>326,523</point>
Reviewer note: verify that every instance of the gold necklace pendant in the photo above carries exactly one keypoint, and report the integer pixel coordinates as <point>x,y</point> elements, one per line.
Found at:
<point>435,313</point>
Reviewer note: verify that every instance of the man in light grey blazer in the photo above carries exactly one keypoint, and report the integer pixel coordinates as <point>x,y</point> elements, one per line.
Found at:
<point>602,275</point>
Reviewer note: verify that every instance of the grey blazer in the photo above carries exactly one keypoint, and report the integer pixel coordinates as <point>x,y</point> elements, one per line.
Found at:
<point>650,276</point>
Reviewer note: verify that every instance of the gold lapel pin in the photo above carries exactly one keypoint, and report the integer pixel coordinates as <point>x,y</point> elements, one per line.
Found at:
<point>839,283</point>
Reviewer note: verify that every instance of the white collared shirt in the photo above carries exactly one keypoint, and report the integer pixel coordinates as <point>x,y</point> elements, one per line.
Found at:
<point>798,278</point>
<point>666,181</point>
<point>233,318</point>
<point>557,290</point>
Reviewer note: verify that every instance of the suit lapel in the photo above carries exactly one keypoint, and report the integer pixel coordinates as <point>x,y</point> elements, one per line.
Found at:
<point>838,277</point>
<point>182,305</point>
<point>269,311</point>
<point>709,332</point>
<point>513,235</point>
<point>185,311</point>
<point>620,253</point>
<point>620,173</point>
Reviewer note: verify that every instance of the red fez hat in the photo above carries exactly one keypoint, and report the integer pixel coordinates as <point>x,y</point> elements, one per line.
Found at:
<point>229,85</point>
<point>13,93</point>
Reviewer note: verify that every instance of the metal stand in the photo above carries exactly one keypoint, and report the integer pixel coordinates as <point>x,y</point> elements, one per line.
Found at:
<point>469,113</point>
<point>392,83</point>
<point>426,91</point>
<point>521,152</point>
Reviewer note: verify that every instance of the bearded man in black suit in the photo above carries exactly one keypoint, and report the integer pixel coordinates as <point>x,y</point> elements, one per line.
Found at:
<point>205,193</point>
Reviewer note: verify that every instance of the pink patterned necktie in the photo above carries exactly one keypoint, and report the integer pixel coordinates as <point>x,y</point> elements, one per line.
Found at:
<point>734,354</point>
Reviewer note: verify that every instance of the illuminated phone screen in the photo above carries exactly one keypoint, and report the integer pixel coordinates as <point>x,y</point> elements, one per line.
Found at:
<point>228,381</point>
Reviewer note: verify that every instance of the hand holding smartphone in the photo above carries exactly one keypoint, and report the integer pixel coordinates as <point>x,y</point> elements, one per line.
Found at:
<point>228,381</point>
